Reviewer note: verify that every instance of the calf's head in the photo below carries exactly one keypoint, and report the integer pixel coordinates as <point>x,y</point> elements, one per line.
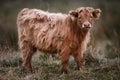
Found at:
<point>85,16</point>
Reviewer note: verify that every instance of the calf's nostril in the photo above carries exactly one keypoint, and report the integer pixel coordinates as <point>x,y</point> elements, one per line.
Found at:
<point>86,25</point>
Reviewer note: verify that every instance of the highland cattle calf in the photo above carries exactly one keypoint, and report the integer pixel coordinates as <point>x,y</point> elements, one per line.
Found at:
<point>65,34</point>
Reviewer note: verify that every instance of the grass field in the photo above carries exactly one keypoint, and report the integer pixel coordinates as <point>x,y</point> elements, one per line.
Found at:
<point>48,68</point>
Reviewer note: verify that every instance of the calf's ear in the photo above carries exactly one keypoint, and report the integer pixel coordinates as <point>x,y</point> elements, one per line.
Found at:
<point>96,13</point>
<point>73,13</point>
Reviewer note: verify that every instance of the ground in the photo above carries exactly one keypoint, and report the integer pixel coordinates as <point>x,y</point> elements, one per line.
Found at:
<point>48,68</point>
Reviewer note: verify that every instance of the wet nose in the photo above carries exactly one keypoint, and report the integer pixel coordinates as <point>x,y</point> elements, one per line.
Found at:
<point>86,25</point>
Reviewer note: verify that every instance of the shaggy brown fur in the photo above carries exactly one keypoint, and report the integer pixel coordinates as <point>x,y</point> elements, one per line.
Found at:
<point>65,34</point>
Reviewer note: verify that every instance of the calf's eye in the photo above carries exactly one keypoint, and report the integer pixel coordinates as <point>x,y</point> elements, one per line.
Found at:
<point>79,17</point>
<point>91,17</point>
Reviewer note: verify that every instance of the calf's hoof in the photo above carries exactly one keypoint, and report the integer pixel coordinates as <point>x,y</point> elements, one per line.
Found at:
<point>26,70</point>
<point>64,71</point>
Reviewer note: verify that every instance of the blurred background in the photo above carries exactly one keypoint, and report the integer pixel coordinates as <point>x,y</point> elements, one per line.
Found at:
<point>105,39</point>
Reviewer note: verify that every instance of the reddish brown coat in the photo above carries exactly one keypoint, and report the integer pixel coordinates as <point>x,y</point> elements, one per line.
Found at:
<point>52,33</point>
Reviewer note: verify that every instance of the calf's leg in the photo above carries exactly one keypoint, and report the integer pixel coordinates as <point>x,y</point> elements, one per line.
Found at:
<point>79,60</point>
<point>64,56</point>
<point>27,52</point>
